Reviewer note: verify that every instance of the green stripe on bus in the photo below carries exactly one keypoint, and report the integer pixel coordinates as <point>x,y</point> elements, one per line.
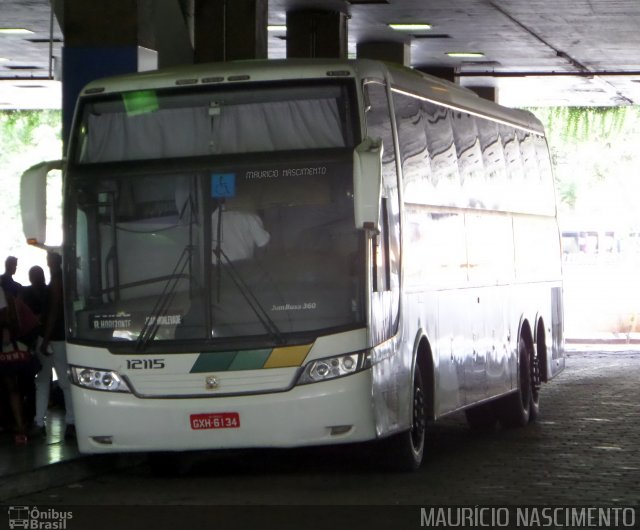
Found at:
<point>250,360</point>
<point>223,361</point>
<point>218,361</point>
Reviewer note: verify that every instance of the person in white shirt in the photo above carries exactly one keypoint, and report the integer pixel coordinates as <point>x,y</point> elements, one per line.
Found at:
<point>242,233</point>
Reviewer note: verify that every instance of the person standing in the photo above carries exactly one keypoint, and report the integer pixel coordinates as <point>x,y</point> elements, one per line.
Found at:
<point>35,298</point>
<point>9,375</point>
<point>52,351</point>
<point>35,295</point>
<point>10,286</point>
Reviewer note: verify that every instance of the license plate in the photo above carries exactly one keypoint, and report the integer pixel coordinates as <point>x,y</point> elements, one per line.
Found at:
<point>217,420</point>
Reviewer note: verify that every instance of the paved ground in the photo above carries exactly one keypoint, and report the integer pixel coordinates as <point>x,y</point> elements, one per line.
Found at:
<point>583,451</point>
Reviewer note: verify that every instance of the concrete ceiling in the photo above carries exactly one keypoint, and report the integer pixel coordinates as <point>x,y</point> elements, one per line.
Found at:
<point>536,52</point>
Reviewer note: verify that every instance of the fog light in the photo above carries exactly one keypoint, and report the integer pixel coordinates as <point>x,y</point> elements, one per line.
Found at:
<point>103,440</point>
<point>339,429</point>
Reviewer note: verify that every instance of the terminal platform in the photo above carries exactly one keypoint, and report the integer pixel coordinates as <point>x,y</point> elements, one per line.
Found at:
<point>49,461</point>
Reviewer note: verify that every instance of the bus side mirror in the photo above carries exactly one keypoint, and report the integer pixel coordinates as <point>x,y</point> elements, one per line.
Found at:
<point>367,184</point>
<point>33,201</point>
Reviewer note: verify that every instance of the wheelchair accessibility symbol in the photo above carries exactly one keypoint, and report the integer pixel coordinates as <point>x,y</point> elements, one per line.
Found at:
<point>223,185</point>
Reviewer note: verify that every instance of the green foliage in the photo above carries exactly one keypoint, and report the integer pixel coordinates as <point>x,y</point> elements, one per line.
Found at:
<point>568,193</point>
<point>26,138</point>
<point>581,124</point>
<point>595,157</point>
<point>20,129</point>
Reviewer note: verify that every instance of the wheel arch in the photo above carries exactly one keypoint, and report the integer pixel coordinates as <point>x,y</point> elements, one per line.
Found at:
<point>423,358</point>
<point>526,333</point>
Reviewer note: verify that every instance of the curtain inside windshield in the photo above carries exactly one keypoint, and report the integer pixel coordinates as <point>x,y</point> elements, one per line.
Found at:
<point>147,125</point>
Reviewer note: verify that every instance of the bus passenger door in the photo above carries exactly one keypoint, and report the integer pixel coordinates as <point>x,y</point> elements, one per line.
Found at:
<point>390,373</point>
<point>385,247</point>
<point>382,299</point>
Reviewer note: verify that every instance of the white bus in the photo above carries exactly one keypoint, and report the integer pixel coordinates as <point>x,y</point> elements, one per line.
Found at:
<point>296,253</point>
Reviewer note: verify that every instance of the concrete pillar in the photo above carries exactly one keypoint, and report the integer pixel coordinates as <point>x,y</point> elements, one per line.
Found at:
<point>486,92</point>
<point>316,34</point>
<point>227,30</point>
<point>100,39</point>
<point>165,26</point>
<point>439,71</point>
<point>393,52</point>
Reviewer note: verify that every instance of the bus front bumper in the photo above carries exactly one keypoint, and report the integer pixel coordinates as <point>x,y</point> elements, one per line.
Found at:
<point>330,412</point>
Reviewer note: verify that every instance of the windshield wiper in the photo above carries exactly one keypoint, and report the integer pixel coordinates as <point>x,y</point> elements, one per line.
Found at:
<point>151,325</point>
<point>164,301</point>
<point>251,299</point>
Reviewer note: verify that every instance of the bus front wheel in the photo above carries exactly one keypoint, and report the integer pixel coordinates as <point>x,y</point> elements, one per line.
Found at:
<point>406,449</point>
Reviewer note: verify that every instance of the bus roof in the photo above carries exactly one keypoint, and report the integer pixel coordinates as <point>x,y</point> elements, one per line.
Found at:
<point>401,78</point>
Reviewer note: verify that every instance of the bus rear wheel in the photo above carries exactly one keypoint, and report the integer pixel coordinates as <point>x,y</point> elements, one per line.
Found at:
<point>514,410</point>
<point>536,381</point>
<point>405,450</point>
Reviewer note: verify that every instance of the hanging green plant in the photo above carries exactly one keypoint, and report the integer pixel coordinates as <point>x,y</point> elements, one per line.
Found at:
<point>578,124</point>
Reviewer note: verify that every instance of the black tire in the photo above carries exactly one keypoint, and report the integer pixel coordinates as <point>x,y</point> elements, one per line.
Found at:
<point>536,383</point>
<point>405,450</point>
<point>514,410</point>
<point>482,417</point>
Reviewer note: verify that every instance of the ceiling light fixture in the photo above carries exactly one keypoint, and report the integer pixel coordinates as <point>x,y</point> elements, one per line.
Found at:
<point>465,54</point>
<point>15,31</point>
<point>410,27</point>
<point>277,27</point>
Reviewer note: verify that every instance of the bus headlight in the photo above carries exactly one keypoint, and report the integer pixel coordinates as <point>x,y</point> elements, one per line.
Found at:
<point>106,380</point>
<point>333,367</point>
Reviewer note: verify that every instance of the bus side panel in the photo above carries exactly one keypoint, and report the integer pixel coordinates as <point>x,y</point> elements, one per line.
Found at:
<point>391,391</point>
<point>538,259</point>
<point>434,269</point>
<point>476,346</point>
<point>495,319</point>
<point>555,350</point>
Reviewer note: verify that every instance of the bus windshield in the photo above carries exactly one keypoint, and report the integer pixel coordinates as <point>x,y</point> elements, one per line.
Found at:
<point>215,247</point>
